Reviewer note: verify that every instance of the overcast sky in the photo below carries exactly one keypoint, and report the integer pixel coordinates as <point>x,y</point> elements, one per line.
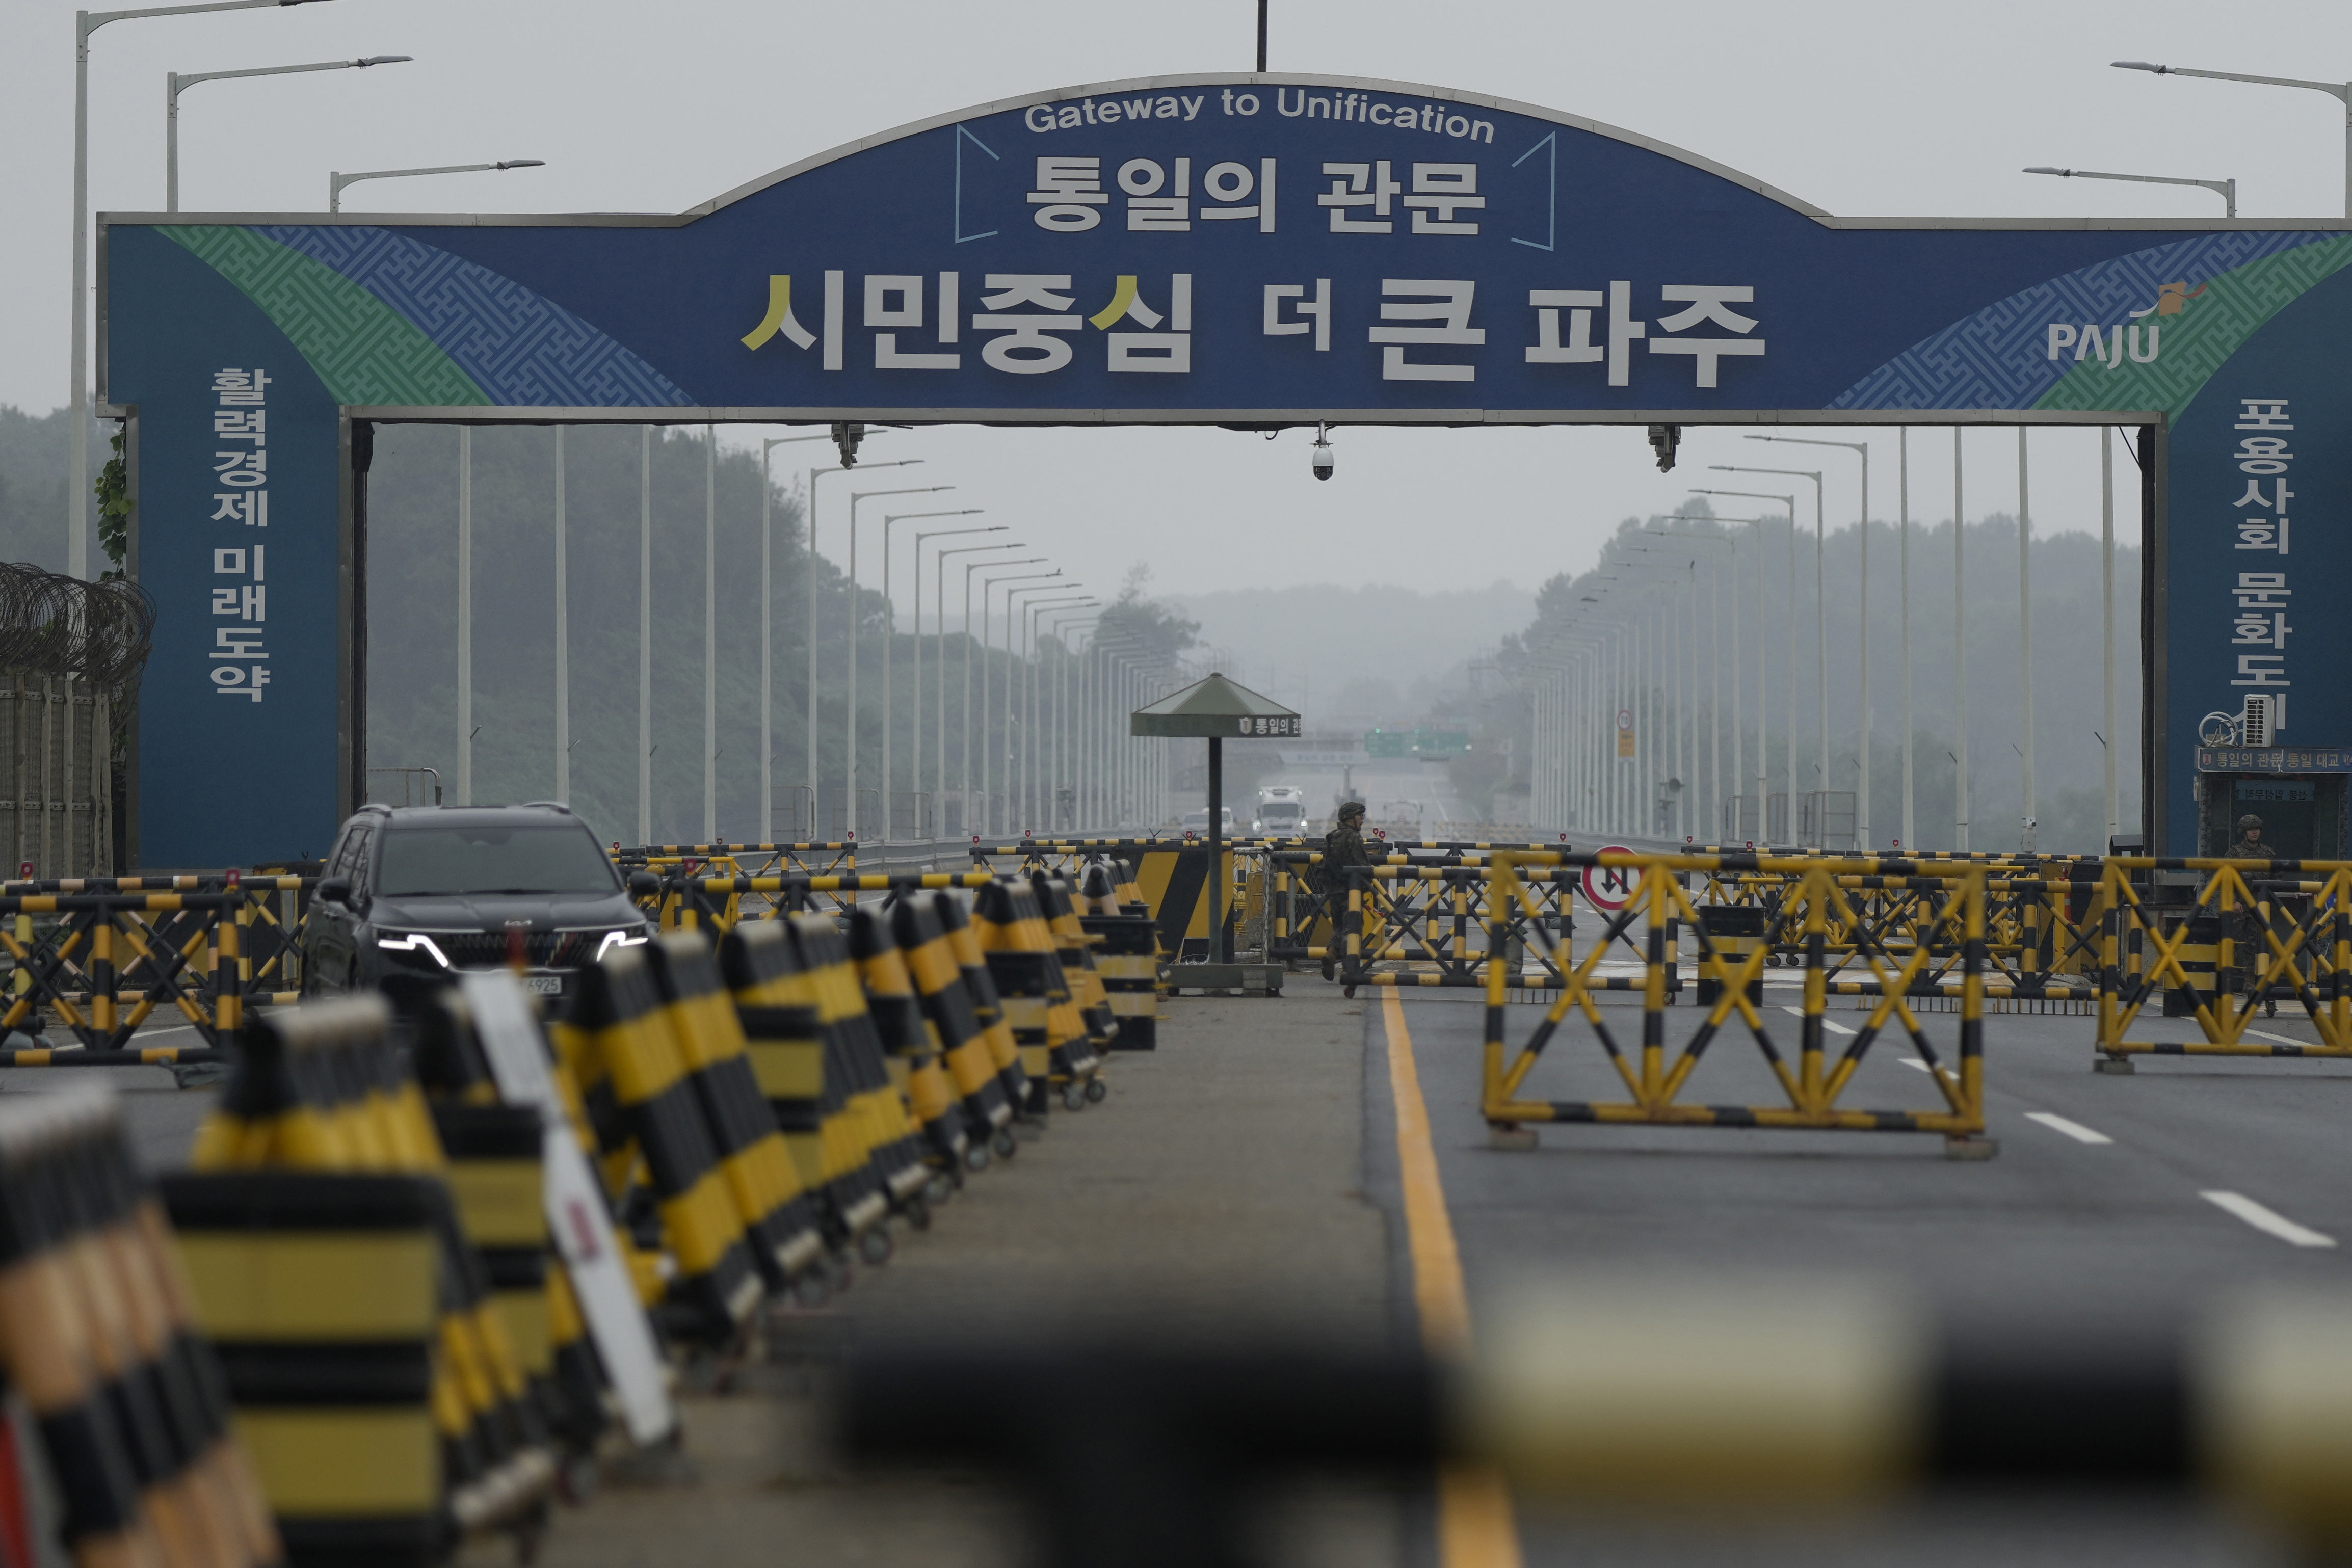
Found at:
<point>1862,108</point>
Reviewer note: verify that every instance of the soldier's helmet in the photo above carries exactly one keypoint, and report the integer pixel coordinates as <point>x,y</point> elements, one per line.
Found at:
<point>2250,824</point>
<point>1352,809</point>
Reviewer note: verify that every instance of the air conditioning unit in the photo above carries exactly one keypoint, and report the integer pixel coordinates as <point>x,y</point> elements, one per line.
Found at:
<point>2262,718</point>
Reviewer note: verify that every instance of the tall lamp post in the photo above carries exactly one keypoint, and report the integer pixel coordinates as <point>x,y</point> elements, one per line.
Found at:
<point>987,760</point>
<point>1763,720</point>
<point>889,612</point>
<point>1031,762</point>
<point>1821,632</point>
<point>939,573</point>
<point>767,641</point>
<point>939,657</point>
<point>1055,584</point>
<point>1861,792</point>
<point>856,825</point>
<point>336,181</point>
<point>175,83</point>
<point>78,485</point>
<point>2340,91</point>
<point>815,474</point>
<point>1059,628</point>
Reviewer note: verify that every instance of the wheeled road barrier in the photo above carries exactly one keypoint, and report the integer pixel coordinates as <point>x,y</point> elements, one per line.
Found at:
<point>2260,932</point>
<point>1655,1085</point>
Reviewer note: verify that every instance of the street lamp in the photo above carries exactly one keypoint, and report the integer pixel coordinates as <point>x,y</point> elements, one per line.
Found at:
<point>1862,790</point>
<point>1053,584</point>
<point>173,83</point>
<point>1031,764</point>
<point>987,588</point>
<point>336,182</point>
<point>1715,673</point>
<point>1820,629</point>
<point>1059,628</point>
<point>767,639</point>
<point>2340,91</point>
<point>815,474</point>
<point>1763,752</point>
<point>855,826</point>
<point>78,485</point>
<point>939,573</point>
<point>2226,189</point>
<point>890,614</point>
<point>939,657</point>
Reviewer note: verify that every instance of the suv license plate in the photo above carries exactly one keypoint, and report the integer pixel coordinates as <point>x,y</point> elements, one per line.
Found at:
<point>543,985</point>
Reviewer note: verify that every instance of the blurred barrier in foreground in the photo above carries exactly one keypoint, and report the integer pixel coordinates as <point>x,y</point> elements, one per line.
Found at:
<point>1792,1400</point>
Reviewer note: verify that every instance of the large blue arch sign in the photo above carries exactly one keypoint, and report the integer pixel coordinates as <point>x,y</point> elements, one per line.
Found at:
<point>1253,250</point>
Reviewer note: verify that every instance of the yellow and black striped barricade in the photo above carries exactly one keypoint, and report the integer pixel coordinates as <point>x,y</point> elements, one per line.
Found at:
<point>1175,881</point>
<point>110,961</point>
<point>1076,949</point>
<point>716,904</point>
<point>780,1223</point>
<point>2269,930</point>
<point>629,1053</point>
<point>321,1290</point>
<point>956,1026</point>
<point>854,1053</point>
<point>987,1005</point>
<point>1735,931</point>
<point>909,1044</point>
<point>495,1174</point>
<point>791,1053</point>
<point>1654,1082</point>
<point>324,1088</point>
<point>1038,1003</point>
<point>99,1339</point>
<point>1129,963</point>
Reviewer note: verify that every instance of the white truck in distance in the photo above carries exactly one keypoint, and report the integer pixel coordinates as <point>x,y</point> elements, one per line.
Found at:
<point>1281,811</point>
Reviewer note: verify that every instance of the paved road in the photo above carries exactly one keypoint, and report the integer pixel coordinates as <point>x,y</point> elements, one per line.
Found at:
<point>1251,1169</point>
<point>2095,1219</point>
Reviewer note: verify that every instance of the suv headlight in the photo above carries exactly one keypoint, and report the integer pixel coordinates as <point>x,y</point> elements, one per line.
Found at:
<point>413,942</point>
<point>621,938</point>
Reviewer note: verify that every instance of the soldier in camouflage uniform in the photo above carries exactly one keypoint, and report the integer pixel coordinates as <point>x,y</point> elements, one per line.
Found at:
<point>1343,846</point>
<point>2246,924</point>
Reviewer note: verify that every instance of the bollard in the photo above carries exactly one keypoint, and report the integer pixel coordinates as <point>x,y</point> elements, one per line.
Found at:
<point>955,1023</point>
<point>781,1228</point>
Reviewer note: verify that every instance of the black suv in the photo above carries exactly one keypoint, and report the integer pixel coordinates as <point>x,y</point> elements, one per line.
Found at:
<point>409,894</point>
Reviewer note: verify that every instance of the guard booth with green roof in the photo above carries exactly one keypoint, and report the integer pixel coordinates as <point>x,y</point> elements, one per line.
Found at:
<point>1212,709</point>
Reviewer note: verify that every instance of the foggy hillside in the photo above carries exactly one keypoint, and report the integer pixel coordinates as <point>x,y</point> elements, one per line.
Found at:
<point>1305,645</point>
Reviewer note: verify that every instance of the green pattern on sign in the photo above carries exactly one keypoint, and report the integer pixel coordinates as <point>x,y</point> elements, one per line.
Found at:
<point>2209,329</point>
<point>365,351</point>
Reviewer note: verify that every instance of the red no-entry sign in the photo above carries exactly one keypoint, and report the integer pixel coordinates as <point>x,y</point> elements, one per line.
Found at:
<point>1609,887</point>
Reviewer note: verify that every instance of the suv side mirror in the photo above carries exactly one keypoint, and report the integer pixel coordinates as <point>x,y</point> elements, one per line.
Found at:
<point>335,889</point>
<point>644,885</point>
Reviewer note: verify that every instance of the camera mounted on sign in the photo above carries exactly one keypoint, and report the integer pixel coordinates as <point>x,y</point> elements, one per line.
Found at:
<point>1663,440</point>
<point>1322,453</point>
<point>847,434</point>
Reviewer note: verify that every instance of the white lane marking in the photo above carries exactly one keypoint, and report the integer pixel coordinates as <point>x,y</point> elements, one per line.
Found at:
<point>1832,1028</point>
<point>2261,1218</point>
<point>2280,1038</point>
<point>1914,1061</point>
<point>2074,1130</point>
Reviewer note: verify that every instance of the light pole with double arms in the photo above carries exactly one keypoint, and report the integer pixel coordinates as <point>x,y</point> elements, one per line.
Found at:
<point>175,83</point>
<point>2340,91</point>
<point>336,180</point>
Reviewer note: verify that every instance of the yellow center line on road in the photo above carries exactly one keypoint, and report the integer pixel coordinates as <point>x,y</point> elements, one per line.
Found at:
<point>1476,1528</point>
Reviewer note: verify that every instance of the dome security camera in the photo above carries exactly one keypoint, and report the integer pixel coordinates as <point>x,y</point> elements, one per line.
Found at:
<point>1322,454</point>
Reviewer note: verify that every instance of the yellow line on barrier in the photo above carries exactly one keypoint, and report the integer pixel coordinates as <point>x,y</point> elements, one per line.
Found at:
<point>1476,1528</point>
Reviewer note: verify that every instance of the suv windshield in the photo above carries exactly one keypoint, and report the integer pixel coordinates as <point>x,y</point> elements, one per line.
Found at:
<point>418,861</point>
